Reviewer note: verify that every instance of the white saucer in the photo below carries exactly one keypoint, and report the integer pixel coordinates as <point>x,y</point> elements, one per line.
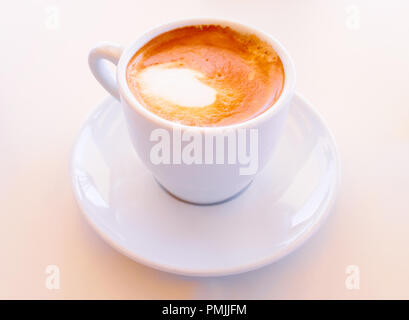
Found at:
<point>285,204</point>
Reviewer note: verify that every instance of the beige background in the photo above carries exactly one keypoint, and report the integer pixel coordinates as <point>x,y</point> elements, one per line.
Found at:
<point>352,59</point>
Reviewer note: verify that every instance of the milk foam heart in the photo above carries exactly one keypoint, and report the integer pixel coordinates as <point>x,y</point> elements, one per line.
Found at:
<point>179,86</point>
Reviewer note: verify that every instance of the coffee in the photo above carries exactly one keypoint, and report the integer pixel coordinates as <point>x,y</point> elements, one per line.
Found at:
<point>206,75</point>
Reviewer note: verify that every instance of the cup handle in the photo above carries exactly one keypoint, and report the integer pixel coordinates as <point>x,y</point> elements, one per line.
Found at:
<point>99,66</point>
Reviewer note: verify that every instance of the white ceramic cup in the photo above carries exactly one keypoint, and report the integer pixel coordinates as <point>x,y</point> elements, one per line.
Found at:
<point>196,183</point>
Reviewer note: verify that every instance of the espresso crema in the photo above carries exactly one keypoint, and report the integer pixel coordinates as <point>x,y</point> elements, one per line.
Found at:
<point>206,75</point>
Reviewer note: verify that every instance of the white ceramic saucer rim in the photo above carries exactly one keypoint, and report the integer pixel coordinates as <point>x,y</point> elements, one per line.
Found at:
<point>286,250</point>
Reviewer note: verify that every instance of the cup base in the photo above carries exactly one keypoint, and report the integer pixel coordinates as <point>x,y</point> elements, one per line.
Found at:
<point>205,203</point>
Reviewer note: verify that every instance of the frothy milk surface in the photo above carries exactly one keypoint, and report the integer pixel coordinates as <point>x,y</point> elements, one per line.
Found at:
<point>178,86</point>
<point>206,75</point>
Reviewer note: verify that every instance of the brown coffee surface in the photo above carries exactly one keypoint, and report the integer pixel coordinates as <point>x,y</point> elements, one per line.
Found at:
<point>244,72</point>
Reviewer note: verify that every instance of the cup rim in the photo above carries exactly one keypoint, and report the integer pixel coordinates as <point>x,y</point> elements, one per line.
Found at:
<point>129,52</point>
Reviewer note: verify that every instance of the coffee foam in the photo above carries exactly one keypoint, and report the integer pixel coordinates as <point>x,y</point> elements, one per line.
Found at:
<point>169,84</point>
<point>206,75</point>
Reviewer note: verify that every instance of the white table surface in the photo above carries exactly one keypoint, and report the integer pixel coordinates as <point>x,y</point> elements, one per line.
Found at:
<point>352,60</point>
